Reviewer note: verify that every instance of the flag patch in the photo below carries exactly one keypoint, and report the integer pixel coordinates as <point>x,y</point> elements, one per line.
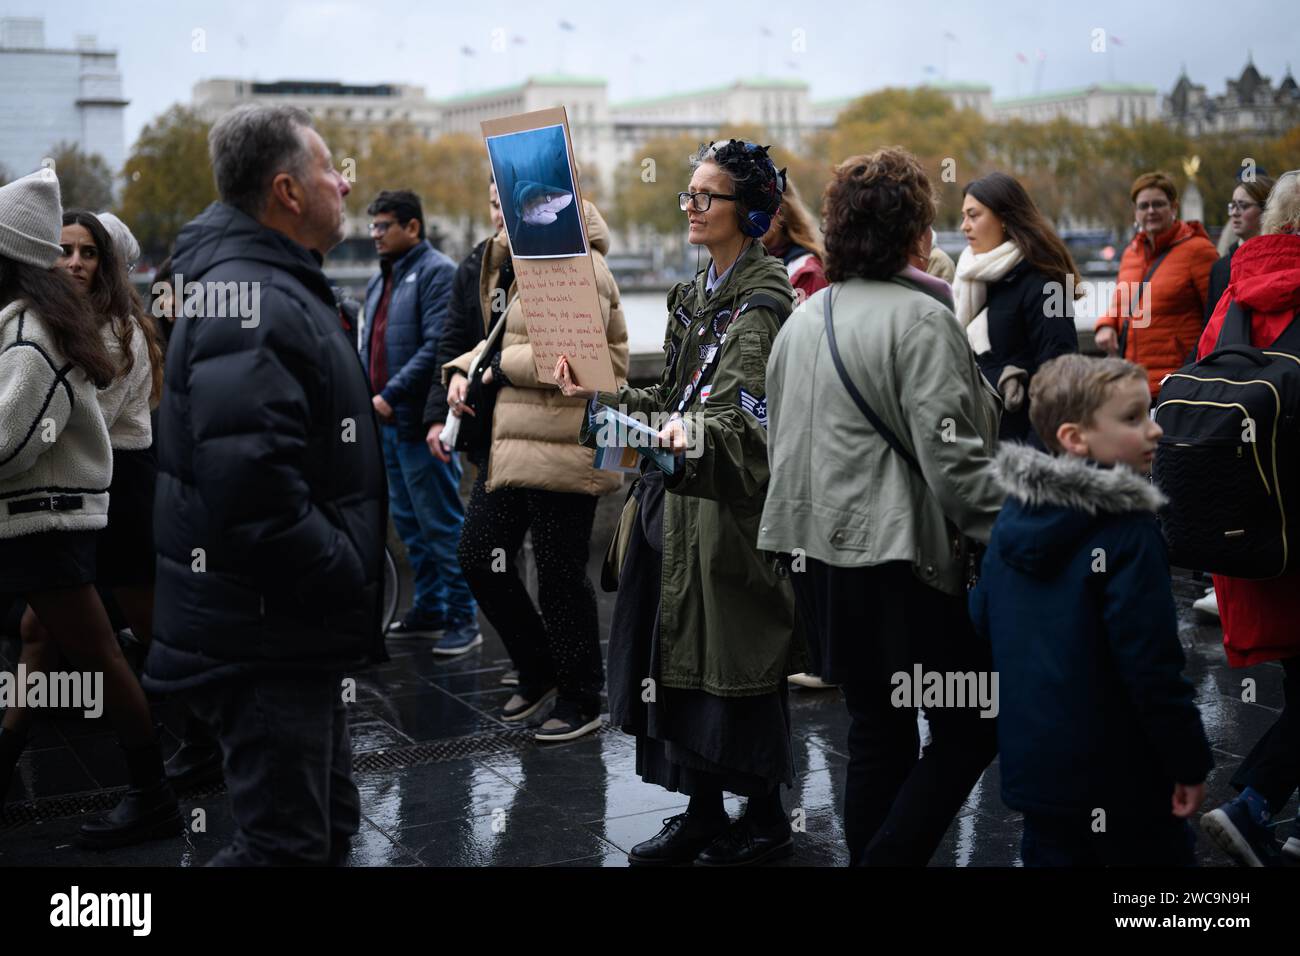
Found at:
<point>705,392</point>
<point>755,406</point>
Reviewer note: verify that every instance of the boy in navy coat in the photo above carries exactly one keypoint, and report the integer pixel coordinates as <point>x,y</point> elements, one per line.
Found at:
<point>1101,746</point>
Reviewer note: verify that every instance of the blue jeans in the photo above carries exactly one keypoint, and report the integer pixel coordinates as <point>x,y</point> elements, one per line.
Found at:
<point>424,500</point>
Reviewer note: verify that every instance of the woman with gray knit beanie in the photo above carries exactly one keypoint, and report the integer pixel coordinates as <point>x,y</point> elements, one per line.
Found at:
<point>55,469</point>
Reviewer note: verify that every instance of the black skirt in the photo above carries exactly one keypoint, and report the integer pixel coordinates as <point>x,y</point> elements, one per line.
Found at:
<point>126,551</point>
<point>687,741</point>
<point>46,561</point>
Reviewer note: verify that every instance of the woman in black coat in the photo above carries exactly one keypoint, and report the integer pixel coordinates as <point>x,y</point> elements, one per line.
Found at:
<point>1014,291</point>
<point>1244,214</point>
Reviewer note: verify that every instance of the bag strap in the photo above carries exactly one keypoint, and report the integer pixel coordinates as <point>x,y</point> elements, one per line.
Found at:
<point>1237,325</point>
<point>763,300</point>
<point>884,430</point>
<point>1123,334</point>
<point>493,341</point>
<point>1156,265</point>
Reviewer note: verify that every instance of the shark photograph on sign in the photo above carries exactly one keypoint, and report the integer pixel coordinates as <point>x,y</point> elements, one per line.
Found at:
<point>535,181</point>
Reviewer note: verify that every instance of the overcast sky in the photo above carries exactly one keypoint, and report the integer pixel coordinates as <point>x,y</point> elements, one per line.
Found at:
<point>653,47</point>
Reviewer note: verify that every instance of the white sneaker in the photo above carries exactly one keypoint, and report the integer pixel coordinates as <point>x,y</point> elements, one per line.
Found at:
<point>810,681</point>
<point>1208,604</point>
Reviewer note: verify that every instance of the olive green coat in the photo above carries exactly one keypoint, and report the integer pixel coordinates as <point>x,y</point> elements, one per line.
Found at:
<point>726,620</point>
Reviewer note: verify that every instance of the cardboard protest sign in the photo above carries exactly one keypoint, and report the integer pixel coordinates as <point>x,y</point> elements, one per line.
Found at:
<point>532,163</point>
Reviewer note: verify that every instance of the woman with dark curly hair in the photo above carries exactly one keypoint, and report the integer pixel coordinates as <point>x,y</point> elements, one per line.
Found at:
<point>703,631</point>
<point>880,443</point>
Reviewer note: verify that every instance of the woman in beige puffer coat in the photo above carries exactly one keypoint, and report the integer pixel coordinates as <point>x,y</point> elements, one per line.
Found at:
<point>538,478</point>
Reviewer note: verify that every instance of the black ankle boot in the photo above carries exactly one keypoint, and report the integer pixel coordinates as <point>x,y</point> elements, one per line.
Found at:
<point>148,811</point>
<point>12,744</point>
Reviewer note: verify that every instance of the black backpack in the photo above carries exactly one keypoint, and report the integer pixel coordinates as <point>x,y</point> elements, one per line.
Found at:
<point>1229,459</point>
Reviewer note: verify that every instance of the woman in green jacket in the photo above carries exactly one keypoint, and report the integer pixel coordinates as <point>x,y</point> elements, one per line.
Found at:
<point>703,631</point>
<point>882,525</point>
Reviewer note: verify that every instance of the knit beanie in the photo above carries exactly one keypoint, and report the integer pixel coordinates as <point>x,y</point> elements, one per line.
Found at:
<point>31,219</point>
<point>123,241</point>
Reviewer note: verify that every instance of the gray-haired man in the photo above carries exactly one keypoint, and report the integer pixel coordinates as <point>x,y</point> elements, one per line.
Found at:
<point>271,501</point>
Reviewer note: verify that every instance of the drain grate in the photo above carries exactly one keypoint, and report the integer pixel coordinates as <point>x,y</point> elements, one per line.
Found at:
<point>398,758</point>
<point>49,808</point>
<point>373,761</point>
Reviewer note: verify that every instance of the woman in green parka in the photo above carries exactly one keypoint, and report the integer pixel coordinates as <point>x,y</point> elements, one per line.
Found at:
<point>703,631</point>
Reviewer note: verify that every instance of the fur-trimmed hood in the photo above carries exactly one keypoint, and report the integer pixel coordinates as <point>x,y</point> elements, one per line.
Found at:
<point>1054,500</point>
<point>1037,478</point>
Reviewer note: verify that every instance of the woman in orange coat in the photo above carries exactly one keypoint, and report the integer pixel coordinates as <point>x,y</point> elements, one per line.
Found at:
<point>1157,326</point>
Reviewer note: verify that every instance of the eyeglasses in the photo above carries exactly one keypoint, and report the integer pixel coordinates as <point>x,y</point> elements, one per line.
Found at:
<point>700,202</point>
<point>1240,206</point>
<point>379,228</point>
<point>1153,204</point>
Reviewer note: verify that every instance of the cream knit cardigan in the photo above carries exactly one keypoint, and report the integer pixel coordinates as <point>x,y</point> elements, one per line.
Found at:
<point>54,444</point>
<point>126,401</point>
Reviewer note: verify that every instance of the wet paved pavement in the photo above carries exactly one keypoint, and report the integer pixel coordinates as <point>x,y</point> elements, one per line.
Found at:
<point>445,783</point>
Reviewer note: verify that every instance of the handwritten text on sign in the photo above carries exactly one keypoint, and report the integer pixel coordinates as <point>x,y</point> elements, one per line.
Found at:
<point>562,311</point>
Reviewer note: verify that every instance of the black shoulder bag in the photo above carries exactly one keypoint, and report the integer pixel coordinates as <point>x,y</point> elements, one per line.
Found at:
<point>974,551</point>
<point>475,434</point>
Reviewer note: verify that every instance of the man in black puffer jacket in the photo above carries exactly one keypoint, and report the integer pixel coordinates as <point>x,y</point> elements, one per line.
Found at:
<point>271,502</point>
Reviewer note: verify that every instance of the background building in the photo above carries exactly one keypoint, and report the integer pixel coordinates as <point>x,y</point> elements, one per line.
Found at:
<point>1092,106</point>
<point>50,96</point>
<point>1249,104</point>
<point>365,107</point>
<point>604,134</point>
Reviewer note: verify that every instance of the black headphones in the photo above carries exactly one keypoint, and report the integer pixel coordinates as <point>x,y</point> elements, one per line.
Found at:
<point>757,222</point>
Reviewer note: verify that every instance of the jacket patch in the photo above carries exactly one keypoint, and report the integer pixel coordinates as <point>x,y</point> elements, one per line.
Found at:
<point>672,354</point>
<point>705,392</point>
<point>757,407</point>
<point>707,352</point>
<point>721,320</point>
<point>682,316</point>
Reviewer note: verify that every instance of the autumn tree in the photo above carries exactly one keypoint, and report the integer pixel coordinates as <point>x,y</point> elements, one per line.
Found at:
<point>168,179</point>
<point>948,142</point>
<point>457,164</point>
<point>85,179</point>
<point>646,186</point>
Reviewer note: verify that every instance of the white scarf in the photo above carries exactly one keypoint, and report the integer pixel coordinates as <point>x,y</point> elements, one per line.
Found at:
<point>970,289</point>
